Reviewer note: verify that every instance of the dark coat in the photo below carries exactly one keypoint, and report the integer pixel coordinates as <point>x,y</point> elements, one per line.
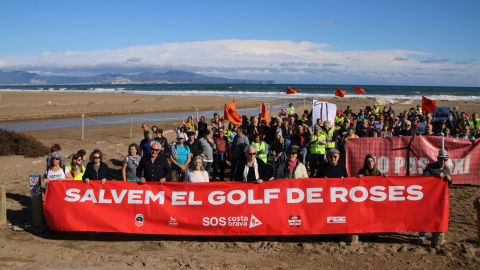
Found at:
<point>329,171</point>
<point>262,170</point>
<point>103,172</point>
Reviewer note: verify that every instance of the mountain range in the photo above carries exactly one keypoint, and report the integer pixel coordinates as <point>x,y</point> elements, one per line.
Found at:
<point>170,77</point>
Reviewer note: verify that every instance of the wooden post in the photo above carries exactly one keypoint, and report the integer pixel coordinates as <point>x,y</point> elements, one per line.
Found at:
<point>352,238</point>
<point>83,126</point>
<point>3,205</point>
<point>36,200</point>
<point>476,203</point>
<point>131,126</point>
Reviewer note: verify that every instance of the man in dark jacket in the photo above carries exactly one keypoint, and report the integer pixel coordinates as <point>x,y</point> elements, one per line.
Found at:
<point>333,168</point>
<point>154,167</point>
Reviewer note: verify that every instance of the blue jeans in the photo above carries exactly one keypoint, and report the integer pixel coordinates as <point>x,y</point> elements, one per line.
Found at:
<point>233,167</point>
<point>304,154</point>
<point>207,166</point>
<point>279,162</point>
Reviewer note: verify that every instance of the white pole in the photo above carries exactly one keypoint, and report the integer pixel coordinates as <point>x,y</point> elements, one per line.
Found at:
<point>131,126</point>
<point>83,126</point>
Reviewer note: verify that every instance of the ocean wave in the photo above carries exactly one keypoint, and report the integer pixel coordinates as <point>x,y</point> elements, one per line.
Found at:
<point>268,95</point>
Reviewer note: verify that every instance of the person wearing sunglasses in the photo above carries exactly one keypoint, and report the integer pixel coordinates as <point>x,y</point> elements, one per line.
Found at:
<point>154,167</point>
<point>96,169</point>
<point>56,169</point>
<point>76,168</point>
<point>440,170</point>
<point>253,169</point>
<point>332,168</point>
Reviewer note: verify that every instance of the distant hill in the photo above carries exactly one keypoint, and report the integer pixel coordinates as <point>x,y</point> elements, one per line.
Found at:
<point>170,77</point>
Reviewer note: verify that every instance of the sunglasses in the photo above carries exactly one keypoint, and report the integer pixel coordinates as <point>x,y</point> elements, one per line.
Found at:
<point>333,156</point>
<point>154,149</point>
<point>55,158</point>
<point>252,154</point>
<point>96,157</point>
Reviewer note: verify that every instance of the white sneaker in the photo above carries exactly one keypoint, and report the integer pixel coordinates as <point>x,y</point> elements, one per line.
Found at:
<point>421,240</point>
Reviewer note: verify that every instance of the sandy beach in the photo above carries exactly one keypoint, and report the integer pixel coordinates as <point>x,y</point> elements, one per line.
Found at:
<point>34,249</point>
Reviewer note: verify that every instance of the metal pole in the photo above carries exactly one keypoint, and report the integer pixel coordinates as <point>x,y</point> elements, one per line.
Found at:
<point>218,110</point>
<point>246,112</point>
<point>83,126</point>
<point>131,126</point>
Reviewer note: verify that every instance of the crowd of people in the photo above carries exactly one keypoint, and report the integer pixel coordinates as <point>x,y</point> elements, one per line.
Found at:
<point>284,147</point>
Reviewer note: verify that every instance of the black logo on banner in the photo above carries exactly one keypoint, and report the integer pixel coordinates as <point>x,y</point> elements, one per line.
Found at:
<point>294,221</point>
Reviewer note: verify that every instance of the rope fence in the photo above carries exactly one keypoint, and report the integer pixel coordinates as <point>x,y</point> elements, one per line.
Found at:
<point>217,108</point>
<point>52,103</point>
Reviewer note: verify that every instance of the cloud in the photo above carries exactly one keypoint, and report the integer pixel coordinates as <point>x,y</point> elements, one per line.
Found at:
<point>331,65</point>
<point>134,60</point>
<point>400,59</point>
<point>283,60</point>
<point>434,60</point>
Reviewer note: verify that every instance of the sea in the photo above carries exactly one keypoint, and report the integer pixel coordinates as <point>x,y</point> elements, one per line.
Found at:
<point>267,92</point>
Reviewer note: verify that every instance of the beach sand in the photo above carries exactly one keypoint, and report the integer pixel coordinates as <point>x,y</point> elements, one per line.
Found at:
<point>32,249</point>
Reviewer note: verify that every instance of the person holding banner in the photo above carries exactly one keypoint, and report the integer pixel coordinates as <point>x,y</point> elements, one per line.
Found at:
<point>96,169</point>
<point>253,169</point>
<point>292,168</point>
<point>76,168</point>
<point>56,169</point>
<point>369,168</point>
<point>196,174</point>
<point>333,168</point>
<point>441,171</point>
<point>130,164</point>
<point>154,167</point>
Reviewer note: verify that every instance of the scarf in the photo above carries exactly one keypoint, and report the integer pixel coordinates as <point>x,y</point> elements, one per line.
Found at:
<point>291,166</point>
<point>247,168</point>
<point>135,160</point>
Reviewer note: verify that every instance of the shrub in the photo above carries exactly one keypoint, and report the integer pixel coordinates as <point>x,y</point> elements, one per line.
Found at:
<point>14,143</point>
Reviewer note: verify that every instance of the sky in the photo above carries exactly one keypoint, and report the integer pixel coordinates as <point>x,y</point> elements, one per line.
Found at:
<point>321,42</point>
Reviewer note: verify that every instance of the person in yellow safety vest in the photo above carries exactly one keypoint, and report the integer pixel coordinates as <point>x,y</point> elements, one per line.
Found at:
<point>330,135</point>
<point>474,123</point>
<point>419,109</point>
<point>339,118</point>
<point>290,109</point>
<point>317,150</point>
<point>261,146</point>
<point>375,109</point>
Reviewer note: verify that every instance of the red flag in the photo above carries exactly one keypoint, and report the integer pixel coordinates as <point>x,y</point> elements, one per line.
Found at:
<point>339,92</point>
<point>428,105</point>
<point>291,91</point>
<point>264,112</point>
<point>231,114</point>
<point>359,90</point>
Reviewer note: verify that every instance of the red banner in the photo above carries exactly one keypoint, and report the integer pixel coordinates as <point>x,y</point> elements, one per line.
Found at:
<point>278,207</point>
<point>393,153</point>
